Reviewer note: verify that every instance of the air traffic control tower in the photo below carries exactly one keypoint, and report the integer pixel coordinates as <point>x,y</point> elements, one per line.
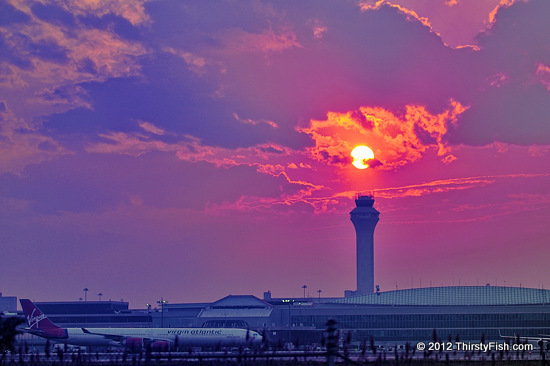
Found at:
<point>365,218</point>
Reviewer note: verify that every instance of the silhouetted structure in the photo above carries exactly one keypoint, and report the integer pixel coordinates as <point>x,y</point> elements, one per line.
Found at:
<point>365,218</point>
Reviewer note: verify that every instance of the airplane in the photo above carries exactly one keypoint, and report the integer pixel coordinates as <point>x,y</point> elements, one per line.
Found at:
<point>539,340</point>
<point>159,339</point>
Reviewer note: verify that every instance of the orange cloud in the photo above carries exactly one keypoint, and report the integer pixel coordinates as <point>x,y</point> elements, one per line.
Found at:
<point>440,186</point>
<point>543,73</point>
<point>317,185</point>
<point>319,29</point>
<point>395,140</point>
<point>238,40</point>
<point>192,150</point>
<point>503,3</point>
<point>517,204</point>
<point>436,186</point>
<point>411,14</point>
<point>195,63</point>
<point>131,10</point>
<point>268,159</point>
<point>249,121</point>
<point>89,54</point>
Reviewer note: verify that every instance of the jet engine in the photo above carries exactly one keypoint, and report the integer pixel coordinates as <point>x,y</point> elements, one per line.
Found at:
<point>134,344</point>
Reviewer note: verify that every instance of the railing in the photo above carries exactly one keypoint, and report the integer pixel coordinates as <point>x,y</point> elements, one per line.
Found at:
<point>274,358</point>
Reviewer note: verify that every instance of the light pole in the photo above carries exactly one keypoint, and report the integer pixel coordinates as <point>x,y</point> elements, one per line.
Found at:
<point>319,292</point>
<point>85,293</point>
<point>304,287</point>
<point>161,303</point>
<point>149,313</point>
<point>289,324</point>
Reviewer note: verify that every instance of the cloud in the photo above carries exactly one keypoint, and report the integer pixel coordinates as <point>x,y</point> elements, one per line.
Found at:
<point>193,151</point>
<point>411,14</point>
<point>194,62</point>
<point>380,76</point>
<point>131,10</point>
<point>440,186</point>
<point>49,53</point>
<point>238,40</point>
<point>58,53</point>
<point>396,140</point>
<point>21,144</point>
<point>149,127</point>
<point>512,103</point>
<point>62,98</point>
<point>319,29</point>
<point>252,122</point>
<point>250,69</point>
<point>451,2</point>
<point>501,4</point>
<point>543,72</point>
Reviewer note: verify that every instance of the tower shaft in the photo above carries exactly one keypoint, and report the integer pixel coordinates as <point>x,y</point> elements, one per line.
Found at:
<point>364,218</point>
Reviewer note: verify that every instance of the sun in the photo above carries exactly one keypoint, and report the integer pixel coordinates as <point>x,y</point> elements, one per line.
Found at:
<point>361,154</point>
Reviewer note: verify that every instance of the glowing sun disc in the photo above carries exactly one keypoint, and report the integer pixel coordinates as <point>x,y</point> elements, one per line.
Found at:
<point>361,154</point>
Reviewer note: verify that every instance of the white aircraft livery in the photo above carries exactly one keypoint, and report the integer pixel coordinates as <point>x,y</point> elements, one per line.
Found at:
<point>159,339</point>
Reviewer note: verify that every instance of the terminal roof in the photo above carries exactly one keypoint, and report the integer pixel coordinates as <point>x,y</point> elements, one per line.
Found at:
<point>454,296</point>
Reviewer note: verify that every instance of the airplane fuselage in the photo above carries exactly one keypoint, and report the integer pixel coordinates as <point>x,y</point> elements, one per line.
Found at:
<point>185,336</point>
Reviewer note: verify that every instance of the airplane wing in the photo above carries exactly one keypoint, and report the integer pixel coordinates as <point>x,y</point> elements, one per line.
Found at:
<point>114,337</point>
<point>518,338</point>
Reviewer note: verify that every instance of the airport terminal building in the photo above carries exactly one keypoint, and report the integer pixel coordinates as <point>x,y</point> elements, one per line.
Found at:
<point>464,313</point>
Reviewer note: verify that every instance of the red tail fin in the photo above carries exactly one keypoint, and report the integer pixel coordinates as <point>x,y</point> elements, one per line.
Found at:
<point>36,319</point>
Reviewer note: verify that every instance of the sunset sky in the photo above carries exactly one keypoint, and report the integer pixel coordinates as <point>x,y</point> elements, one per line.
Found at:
<point>194,149</point>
